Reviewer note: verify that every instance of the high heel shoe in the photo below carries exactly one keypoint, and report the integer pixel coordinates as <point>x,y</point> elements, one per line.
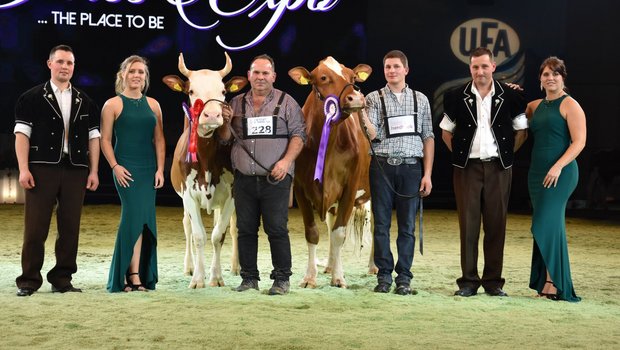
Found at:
<point>550,296</point>
<point>135,287</point>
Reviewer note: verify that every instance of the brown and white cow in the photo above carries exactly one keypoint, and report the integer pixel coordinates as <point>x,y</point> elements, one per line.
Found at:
<point>345,183</point>
<point>201,171</point>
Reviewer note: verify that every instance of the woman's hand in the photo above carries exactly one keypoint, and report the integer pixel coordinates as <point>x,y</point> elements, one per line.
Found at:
<point>159,179</point>
<point>552,176</point>
<point>123,176</point>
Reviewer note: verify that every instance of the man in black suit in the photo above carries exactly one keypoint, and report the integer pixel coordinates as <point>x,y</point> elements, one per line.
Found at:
<point>57,148</point>
<point>483,125</point>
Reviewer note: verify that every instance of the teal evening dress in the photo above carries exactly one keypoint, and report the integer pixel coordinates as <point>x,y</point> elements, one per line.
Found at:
<point>551,139</point>
<point>134,149</point>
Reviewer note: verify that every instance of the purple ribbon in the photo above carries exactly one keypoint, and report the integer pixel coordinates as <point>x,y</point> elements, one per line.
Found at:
<point>189,158</point>
<point>331,109</point>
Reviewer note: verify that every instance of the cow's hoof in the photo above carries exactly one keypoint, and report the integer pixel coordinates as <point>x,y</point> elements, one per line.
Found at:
<point>373,270</point>
<point>235,271</point>
<point>307,284</point>
<point>340,284</point>
<point>327,270</point>
<point>195,284</point>
<point>217,283</point>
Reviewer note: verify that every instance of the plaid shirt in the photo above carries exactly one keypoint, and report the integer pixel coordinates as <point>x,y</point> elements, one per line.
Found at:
<point>401,146</point>
<point>266,150</point>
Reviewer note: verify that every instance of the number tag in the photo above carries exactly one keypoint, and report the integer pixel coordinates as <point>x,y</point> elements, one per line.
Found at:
<point>259,127</point>
<point>401,125</point>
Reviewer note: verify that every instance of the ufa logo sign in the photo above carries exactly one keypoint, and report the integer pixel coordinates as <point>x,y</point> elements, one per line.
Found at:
<point>495,35</point>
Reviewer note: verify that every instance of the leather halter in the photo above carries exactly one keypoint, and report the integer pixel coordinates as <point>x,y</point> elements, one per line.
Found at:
<point>322,98</point>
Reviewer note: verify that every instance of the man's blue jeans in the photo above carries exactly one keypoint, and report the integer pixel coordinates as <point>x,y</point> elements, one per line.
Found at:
<point>405,179</point>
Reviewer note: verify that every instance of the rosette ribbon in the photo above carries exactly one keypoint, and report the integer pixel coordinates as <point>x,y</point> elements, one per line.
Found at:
<point>192,115</point>
<point>331,109</point>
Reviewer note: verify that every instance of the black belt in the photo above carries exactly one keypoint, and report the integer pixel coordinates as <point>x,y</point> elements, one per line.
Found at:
<point>484,160</point>
<point>398,160</point>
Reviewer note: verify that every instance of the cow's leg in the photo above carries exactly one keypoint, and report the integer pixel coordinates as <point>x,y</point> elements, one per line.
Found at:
<point>188,262</point>
<point>329,221</point>
<point>312,237</point>
<point>234,263</point>
<point>367,234</point>
<point>336,241</point>
<point>217,240</point>
<point>198,237</point>
<point>309,280</point>
<point>372,268</point>
<point>338,234</point>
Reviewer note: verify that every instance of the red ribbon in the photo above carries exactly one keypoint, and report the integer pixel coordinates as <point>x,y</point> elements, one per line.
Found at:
<point>195,112</point>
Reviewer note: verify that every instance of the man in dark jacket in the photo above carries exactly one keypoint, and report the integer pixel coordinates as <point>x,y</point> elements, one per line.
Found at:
<point>484,124</point>
<point>57,148</point>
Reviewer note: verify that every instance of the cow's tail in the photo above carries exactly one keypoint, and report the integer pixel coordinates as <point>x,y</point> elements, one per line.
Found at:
<point>358,230</point>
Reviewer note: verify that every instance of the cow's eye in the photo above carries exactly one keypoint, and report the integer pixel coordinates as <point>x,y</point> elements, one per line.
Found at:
<point>191,92</point>
<point>223,92</point>
<point>323,78</point>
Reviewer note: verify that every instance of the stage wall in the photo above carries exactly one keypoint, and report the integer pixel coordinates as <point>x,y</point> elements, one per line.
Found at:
<point>436,35</point>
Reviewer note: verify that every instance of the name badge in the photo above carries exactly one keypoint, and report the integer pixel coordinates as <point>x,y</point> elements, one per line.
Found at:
<point>259,127</point>
<point>401,125</point>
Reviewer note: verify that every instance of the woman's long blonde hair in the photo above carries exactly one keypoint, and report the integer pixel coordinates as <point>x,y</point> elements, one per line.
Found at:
<point>119,86</point>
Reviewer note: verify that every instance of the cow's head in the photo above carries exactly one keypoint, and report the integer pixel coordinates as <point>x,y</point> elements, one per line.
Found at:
<point>206,89</point>
<point>333,78</point>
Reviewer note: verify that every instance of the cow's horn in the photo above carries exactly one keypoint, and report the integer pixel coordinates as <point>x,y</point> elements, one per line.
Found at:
<point>186,72</point>
<point>228,67</point>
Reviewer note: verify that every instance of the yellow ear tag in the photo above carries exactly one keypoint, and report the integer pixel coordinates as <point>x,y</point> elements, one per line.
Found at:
<point>177,87</point>
<point>362,75</point>
<point>303,80</point>
<point>233,87</point>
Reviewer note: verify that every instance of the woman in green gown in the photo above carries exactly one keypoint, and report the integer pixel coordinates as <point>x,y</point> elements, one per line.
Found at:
<point>558,125</point>
<point>137,161</point>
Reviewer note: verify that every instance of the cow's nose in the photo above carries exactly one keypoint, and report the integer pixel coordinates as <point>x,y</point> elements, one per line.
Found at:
<point>211,118</point>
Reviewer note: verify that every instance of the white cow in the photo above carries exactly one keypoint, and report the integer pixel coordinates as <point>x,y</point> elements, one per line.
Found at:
<point>201,172</point>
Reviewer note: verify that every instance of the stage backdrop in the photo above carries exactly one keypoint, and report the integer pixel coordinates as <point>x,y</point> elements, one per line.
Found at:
<point>437,35</point>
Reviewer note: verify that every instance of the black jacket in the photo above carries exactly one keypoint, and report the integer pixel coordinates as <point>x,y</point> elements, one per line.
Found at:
<point>39,109</point>
<point>460,108</point>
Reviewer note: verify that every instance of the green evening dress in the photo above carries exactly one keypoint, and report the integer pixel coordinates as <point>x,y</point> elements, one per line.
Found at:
<point>551,139</point>
<point>134,150</point>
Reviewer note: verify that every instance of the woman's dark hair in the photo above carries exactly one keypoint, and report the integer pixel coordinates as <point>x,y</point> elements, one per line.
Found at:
<point>557,66</point>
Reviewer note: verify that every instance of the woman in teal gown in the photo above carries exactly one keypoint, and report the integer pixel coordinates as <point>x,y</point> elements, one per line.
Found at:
<point>137,161</point>
<point>558,125</point>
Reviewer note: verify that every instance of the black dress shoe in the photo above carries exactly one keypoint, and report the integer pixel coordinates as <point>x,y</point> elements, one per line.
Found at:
<point>382,287</point>
<point>24,292</point>
<point>496,292</point>
<point>466,292</point>
<point>66,289</point>
<point>403,289</point>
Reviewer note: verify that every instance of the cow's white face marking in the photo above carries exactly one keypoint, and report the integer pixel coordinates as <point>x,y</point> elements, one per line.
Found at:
<point>333,65</point>
<point>207,85</point>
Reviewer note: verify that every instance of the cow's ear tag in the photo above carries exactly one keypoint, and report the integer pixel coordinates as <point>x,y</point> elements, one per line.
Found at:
<point>178,87</point>
<point>362,75</point>
<point>233,87</point>
<point>303,80</point>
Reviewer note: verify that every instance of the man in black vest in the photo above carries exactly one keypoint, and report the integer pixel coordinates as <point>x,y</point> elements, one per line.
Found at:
<point>483,125</point>
<point>57,148</point>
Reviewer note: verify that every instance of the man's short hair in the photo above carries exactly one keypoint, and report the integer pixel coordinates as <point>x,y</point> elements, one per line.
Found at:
<point>61,48</point>
<point>264,57</point>
<point>481,51</point>
<point>397,54</point>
